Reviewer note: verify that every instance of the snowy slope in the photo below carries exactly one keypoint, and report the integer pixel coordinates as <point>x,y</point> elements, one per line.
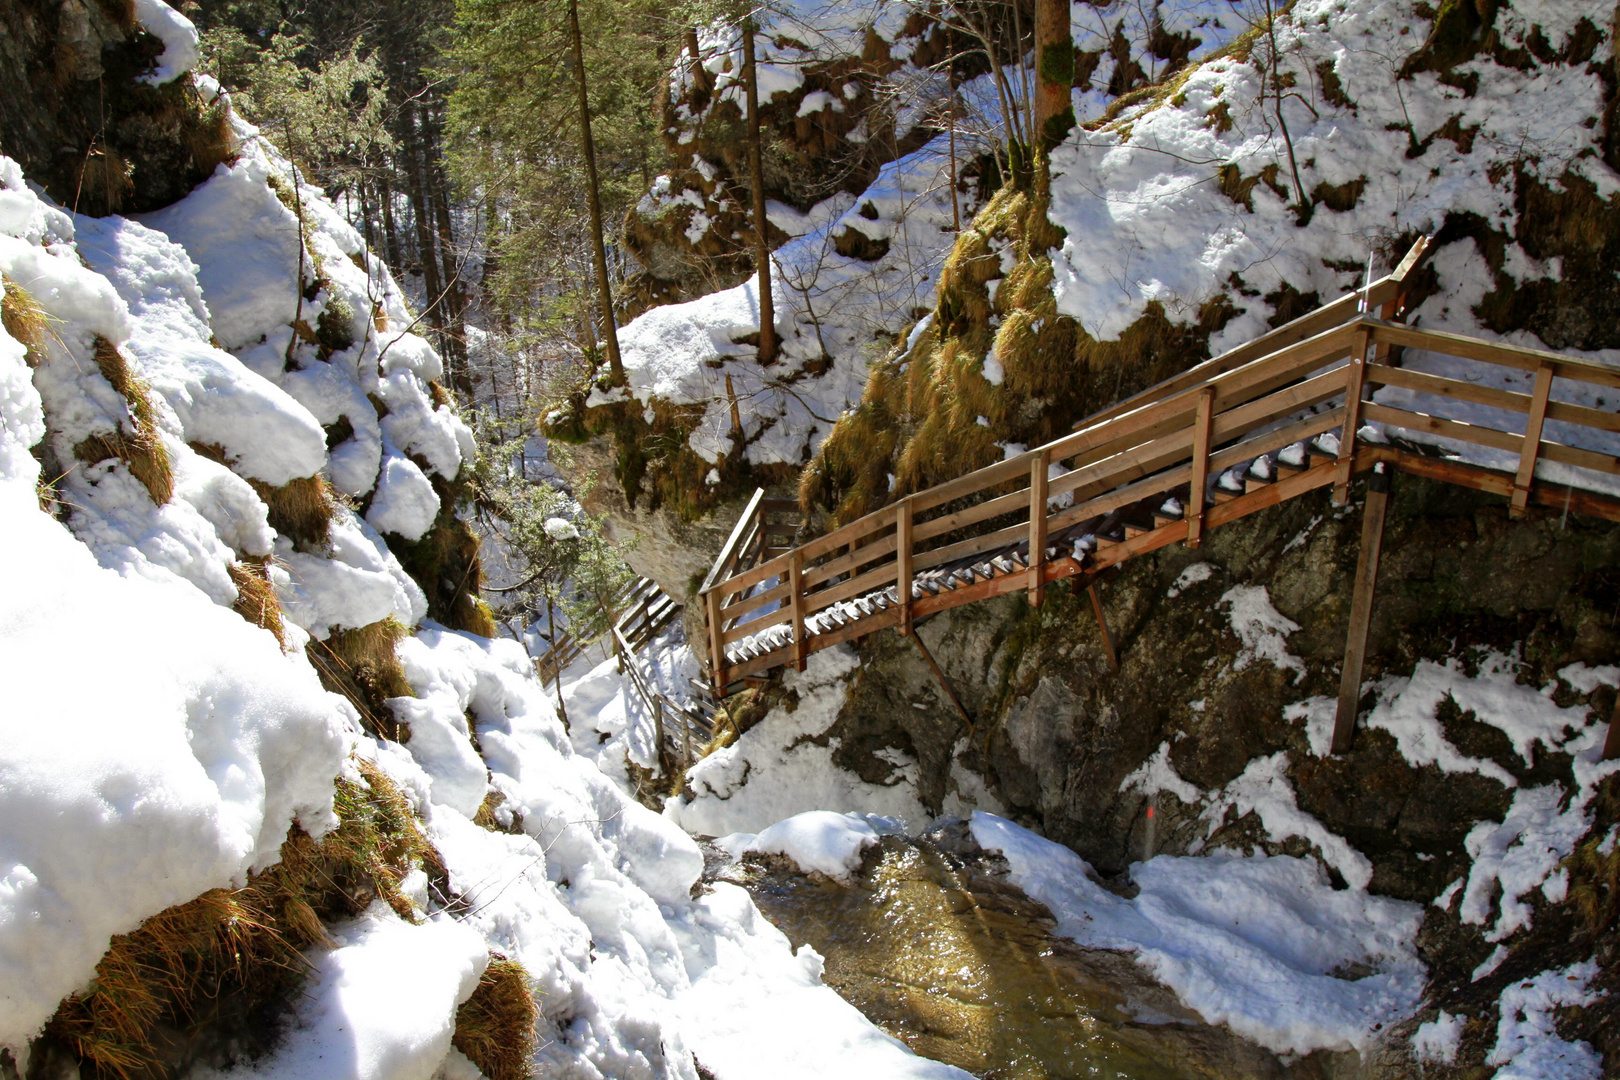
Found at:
<point>155,744</point>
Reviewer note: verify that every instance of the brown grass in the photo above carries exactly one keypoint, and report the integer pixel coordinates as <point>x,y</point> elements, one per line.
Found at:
<point>106,181</point>
<point>256,598</point>
<point>25,320</point>
<point>495,1027</point>
<point>210,137</point>
<point>230,960</point>
<point>360,664</point>
<point>930,415</point>
<point>300,509</point>
<point>141,447</point>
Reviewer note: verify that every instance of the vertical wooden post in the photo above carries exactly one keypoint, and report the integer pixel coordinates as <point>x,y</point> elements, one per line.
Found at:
<point>1203,420</point>
<point>1611,745</point>
<point>801,647</point>
<point>1532,440</point>
<point>1037,529</point>
<point>658,728</point>
<point>717,648</point>
<point>1356,381</point>
<point>1102,625</point>
<point>686,741</point>
<point>902,563</point>
<point>1355,646</point>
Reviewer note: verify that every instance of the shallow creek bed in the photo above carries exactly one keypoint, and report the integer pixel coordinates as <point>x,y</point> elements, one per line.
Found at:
<point>934,944</point>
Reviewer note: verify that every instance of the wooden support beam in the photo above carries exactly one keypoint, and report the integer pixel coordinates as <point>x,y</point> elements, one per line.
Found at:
<point>1532,441</point>
<point>903,573</point>
<point>1037,528</point>
<point>796,602</point>
<point>717,647</point>
<point>1203,421</point>
<point>944,683</point>
<point>1354,385</point>
<point>1355,647</point>
<point>1102,625</point>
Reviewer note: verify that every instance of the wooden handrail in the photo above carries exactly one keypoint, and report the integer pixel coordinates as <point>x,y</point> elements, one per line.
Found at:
<point>1179,438</point>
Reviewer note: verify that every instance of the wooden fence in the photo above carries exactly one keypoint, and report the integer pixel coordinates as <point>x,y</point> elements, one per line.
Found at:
<point>1260,425</point>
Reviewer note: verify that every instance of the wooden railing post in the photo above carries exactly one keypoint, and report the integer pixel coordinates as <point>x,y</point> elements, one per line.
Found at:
<point>717,648</point>
<point>1037,529</point>
<point>1355,646</point>
<point>1532,440</point>
<point>1355,383</point>
<point>801,647</point>
<point>1203,421</point>
<point>902,561</point>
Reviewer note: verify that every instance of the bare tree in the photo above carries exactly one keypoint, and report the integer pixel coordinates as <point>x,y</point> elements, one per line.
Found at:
<point>756,169</point>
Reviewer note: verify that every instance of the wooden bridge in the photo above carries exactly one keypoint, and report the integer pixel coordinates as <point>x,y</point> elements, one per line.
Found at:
<point>1269,421</point>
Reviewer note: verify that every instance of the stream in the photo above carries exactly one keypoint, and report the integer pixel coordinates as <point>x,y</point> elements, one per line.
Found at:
<point>934,945</point>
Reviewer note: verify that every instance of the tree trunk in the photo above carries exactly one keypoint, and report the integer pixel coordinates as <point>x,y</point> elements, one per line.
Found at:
<point>598,245</point>
<point>427,259</point>
<point>756,170</point>
<point>1054,71</point>
<point>390,230</point>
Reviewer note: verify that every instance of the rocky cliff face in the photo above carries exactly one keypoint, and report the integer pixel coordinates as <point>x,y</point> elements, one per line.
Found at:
<point>1212,733</point>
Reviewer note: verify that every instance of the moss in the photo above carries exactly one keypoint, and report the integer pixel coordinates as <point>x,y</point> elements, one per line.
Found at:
<point>300,509</point>
<point>256,598</point>
<point>1057,64</point>
<point>228,962</point>
<point>334,329</point>
<point>136,441</point>
<point>930,414</point>
<point>1340,197</point>
<point>24,319</point>
<point>360,664</point>
<point>495,1027</point>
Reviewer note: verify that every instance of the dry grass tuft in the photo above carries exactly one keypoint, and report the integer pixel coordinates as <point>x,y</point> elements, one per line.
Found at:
<point>230,960</point>
<point>488,816</point>
<point>300,509</point>
<point>141,447</point>
<point>210,137</point>
<point>446,563</point>
<point>360,664</point>
<point>495,1027</point>
<point>106,181</point>
<point>24,319</point>
<point>256,598</point>
<point>1595,888</point>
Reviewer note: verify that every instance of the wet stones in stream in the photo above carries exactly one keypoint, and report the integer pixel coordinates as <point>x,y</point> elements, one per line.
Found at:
<point>937,947</point>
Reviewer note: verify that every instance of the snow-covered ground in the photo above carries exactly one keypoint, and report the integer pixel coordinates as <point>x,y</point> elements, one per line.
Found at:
<point>154,744</point>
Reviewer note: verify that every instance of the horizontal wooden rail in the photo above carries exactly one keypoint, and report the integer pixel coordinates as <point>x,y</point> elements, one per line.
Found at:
<point>1164,467</point>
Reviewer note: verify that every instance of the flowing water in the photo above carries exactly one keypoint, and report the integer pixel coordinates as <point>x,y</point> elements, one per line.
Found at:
<point>935,946</point>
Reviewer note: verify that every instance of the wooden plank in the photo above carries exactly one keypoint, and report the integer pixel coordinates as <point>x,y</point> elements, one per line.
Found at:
<point>716,572</point>
<point>1496,352</point>
<point>717,643</point>
<point>866,553</point>
<point>1287,435</point>
<point>1200,466</point>
<point>1435,425</point>
<point>1532,441</point>
<point>1114,554</point>
<point>976,545</point>
<point>1037,529</point>
<point>985,589</point>
<point>1102,625</point>
<point>1455,389</point>
<point>871,580</point>
<point>945,684</point>
<point>1366,579</point>
<point>1121,496</point>
<point>1325,318</point>
<point>1354,386</point>
<point>903,571</point>
<point>796,605</point>
<point>740,631</point>
<point>1288,488</point>
<point>753,603</point>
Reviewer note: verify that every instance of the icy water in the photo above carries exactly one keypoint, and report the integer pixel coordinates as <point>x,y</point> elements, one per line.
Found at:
<point>934,946</point>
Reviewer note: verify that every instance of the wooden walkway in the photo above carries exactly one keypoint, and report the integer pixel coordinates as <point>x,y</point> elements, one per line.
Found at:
<point>1270,421</point>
